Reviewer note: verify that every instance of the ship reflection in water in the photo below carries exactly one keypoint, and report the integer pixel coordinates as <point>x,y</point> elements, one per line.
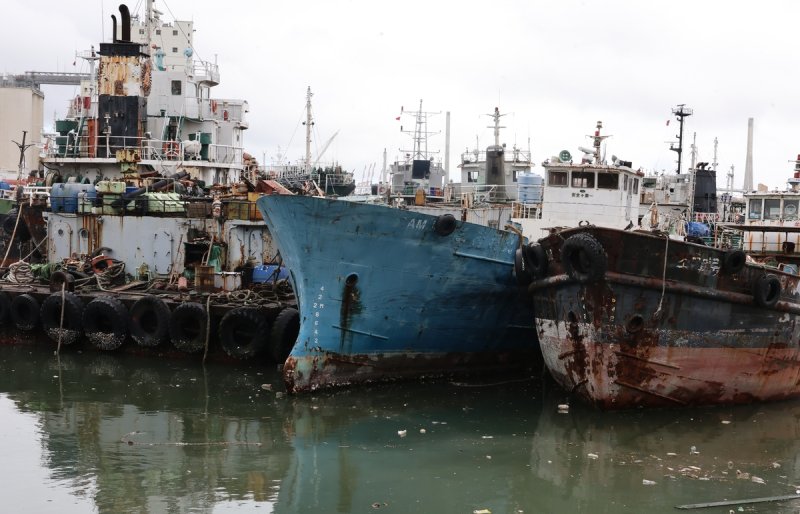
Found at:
<point>92,432</point>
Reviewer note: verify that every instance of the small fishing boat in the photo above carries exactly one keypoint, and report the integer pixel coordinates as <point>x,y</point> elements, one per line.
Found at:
<point>634,319</point>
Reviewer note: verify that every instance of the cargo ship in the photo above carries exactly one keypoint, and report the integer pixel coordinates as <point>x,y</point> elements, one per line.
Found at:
<point>388,293</point>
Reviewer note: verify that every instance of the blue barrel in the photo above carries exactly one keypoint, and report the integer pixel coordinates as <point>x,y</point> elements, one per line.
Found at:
<point>530,187</point>
<point>64,197</point>
<point>265,272</point>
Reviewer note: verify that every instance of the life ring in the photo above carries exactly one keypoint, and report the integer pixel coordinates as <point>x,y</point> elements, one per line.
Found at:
<point>767,290</point>
<point>733,261</point>
<point>25,312</point>
<point>187,327</point>
<point>381,190</point>
<point>283,335</point>
<point>214,106</point>
<point>537,259</point>
<point>72,328</point>
<point>243,332</point>
<point>149,321</point>
<point>101,262</point>
<point>522,268</point>
<point>61,279</point>
<point>584,258</point>
<point>105,322</point>
<point>171,148</point>
<point>444,224</point>
<point>5,308</point>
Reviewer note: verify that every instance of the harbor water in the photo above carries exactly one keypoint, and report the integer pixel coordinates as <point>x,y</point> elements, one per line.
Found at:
<point>98,432</point>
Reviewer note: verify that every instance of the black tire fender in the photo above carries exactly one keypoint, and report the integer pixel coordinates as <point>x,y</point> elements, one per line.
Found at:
<point>149,321</point>
<point>522,268</point>
<point>283,336</point>
<point>584,258</point>
<point>5,308</point>
<point>767,290</point>
<point>444,224</point>
<point>243,332</point>
<point>105,322</point>
<point>187,327</point>
<point>537,260</point>
<point>733,261</point>
<point>25,312</point>
<point>50,314</point>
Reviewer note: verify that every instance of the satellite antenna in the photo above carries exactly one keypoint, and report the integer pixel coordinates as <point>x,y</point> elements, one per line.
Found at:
<point>564,156</point>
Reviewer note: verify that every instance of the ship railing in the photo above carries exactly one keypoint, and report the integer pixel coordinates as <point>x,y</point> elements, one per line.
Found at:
<point>204,71</point>
<point>134,149</point>
<point>706,217</point>
<point>512,155</point>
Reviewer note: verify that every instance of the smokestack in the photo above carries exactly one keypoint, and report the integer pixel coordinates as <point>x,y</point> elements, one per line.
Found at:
<point>748,163</point>
<point>125,23</point>
<point>113,29</point>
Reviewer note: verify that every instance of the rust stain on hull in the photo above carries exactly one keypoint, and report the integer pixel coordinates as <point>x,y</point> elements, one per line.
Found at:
<point>697,338</point>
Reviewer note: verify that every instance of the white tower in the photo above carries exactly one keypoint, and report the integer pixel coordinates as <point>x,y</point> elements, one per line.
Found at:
<point>748,163</point>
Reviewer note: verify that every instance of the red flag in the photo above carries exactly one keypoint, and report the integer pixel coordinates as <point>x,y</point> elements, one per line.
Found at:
<point>398,118</point>
<point>668,123</point>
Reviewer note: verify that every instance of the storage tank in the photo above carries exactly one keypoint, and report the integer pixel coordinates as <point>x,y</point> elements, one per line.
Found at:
<point>530,187</point>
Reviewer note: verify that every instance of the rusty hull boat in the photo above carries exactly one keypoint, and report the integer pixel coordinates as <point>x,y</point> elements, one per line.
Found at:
<point>388,293</point>
<point>636,319</point>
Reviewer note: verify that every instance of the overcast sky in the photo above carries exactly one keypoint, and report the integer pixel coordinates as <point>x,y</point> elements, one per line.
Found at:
<point>556,67</point>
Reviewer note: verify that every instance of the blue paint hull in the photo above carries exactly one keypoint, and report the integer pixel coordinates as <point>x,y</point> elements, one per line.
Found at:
<point>382,295</point>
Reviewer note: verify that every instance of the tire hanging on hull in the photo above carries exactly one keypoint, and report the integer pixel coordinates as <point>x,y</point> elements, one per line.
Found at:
<point>71,329</point>
<point>25,312</point>
<point>5,309</point>
<point>105,322</point>
<point>584,258</point>
<point>149,321</point>
<point>187,327</point>
<point>283,335</point>
<point>243,332</point>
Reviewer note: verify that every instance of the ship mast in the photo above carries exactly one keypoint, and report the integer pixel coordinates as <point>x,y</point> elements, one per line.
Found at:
<point>496,117</point>
<point>308,123</point>
<point>420,135</point>
<point>681,111</point>
<point>148,21</point>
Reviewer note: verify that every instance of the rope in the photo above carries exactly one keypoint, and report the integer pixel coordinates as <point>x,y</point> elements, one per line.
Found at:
<point>657,313</point>
<point>19,273</point>
<point>61,323</point>
<point>14,232</point>
<point>208,327</point>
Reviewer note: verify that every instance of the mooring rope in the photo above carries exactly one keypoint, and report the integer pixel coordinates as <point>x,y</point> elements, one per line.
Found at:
<point>657,313</point>
<point>61,323</point>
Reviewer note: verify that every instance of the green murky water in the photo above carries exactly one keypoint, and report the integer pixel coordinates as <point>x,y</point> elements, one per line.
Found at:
<point>96,432</point>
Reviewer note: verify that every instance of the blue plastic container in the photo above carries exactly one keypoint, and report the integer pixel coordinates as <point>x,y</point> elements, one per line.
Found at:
<point>265,272</point>
<point>64,197</point>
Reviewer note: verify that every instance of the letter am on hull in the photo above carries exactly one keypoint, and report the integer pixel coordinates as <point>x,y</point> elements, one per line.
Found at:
<point>630,319</point>
<point>386,293</point>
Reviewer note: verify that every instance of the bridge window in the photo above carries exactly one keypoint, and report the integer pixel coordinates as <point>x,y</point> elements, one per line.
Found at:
<point>557,178</point>
<point>754,211</point>
<point>583,179</point>
<point>772,208</point>
<point>636,186</point>
<point>790,209</point>
<point>609,181</point>
<point>176,87</point>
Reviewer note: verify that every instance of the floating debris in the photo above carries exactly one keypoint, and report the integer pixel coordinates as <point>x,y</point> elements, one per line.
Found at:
<point>402,433</point>
<point>592,455</point>
<point>648,482</point>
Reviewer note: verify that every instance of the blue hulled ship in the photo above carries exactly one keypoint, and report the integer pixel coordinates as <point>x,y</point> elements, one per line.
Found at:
<point>387,293</point>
